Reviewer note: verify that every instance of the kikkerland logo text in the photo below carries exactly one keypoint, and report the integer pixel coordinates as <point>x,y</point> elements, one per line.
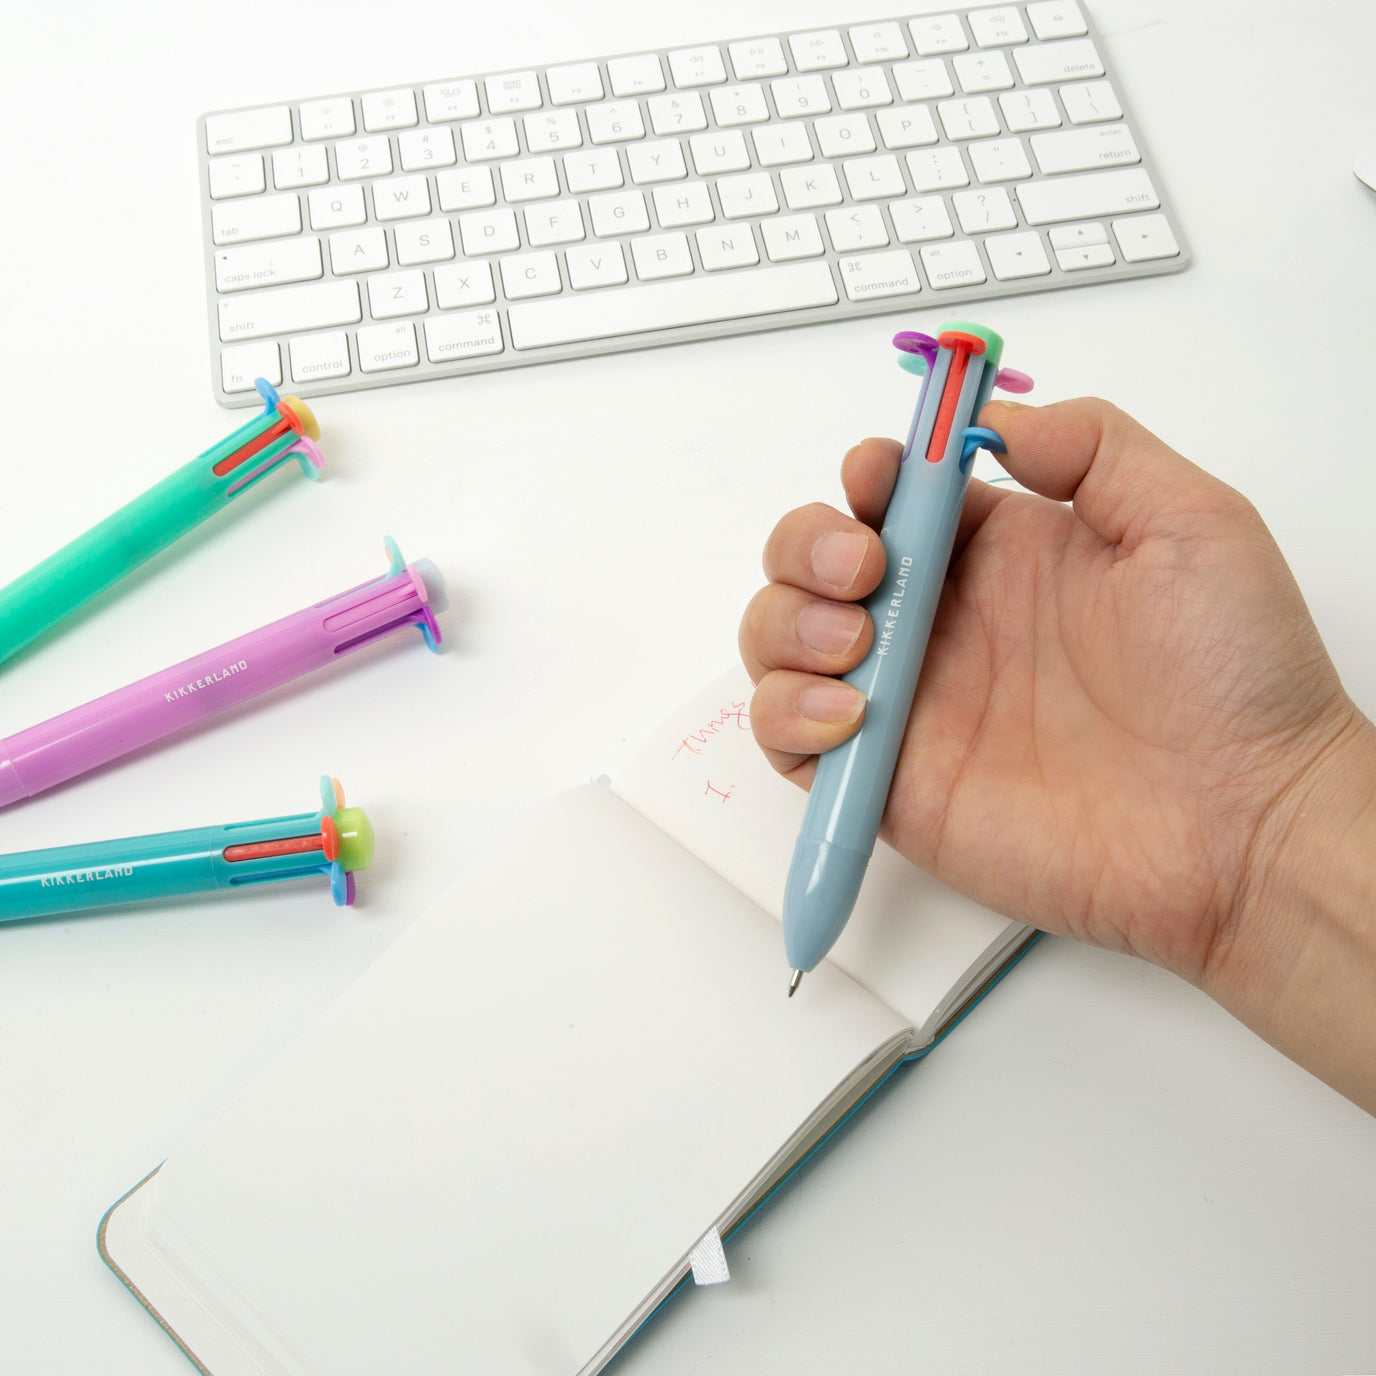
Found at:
<point>209,681</point>
<point>894,609</point>
<point>57,881</point>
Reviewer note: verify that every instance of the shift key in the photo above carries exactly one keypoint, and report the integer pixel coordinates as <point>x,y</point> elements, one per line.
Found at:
<point>288,310</point>
<point>1087,197</point>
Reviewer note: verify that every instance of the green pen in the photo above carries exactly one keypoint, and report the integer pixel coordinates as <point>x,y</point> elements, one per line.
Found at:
<point>136,532</point>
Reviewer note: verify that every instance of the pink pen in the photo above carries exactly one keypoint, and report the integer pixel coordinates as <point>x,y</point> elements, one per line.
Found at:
<point>154,707</point>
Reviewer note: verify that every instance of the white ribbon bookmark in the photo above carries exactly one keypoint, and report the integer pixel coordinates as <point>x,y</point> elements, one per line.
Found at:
<point>708,1260</point>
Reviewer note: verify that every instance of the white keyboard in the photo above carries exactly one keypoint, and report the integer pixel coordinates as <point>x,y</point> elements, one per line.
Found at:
<point>490,221</point>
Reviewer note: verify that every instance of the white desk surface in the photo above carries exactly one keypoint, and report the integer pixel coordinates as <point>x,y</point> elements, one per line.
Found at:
<point>1100,1171</point>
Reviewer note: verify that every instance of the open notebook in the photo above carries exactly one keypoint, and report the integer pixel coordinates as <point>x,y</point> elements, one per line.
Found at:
<point>497,1150</point>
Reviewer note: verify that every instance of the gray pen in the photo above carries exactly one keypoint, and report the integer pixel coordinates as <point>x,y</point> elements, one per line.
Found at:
<point>851,786</point>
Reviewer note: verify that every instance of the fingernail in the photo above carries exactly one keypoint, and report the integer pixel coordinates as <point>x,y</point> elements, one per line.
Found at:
<point>831,702</point>
<point>837,556</point>
<point>829,627</point>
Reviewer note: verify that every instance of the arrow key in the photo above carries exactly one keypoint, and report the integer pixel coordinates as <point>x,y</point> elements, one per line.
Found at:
<point>1016,255</point>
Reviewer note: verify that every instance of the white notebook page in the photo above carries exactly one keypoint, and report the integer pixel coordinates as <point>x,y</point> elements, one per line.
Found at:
<point>703,779</point>
<point>520,1119</point>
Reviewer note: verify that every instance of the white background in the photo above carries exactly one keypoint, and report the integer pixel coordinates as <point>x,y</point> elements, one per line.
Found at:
<point>1100,1170</point>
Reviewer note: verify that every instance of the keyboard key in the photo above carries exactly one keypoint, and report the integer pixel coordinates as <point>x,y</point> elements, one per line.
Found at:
<point>658,161</point>
<point>337,206</point>
<point>316,356</point>
<point>758,57</point>
<point>722,151</point>
<point>779,144</point>
<point>840,136</point>
<point>1145,237</point>
<point>236,177</point>
<point>1012,256</point>
<point>462,336</point>
<point>293,167</point>
<point>267,217</point>
<point>513,92</point>
<point>384,347</point>
<point>1056,19</point>
<point>602,265</point>
<point>1090,103</point>
<point>920,219</point>
<point>622,212</point>
<point>397,293</point>
<point>358,250</point>
<point>749,195</point>
<point>242,363</point>
<point>1071,60</point>
<point>422,149</point>
<point>981,211</point>
<point>1076,236</point>
<point>999,160</point>
<point>487,139</point>
<point>528,179</point>
<point>856,226</point>
<point>1027,110</point>
<point>489,231</point>
<point>327,119</point>
<point>1078,150</point>
<point>997,28</point>
<point>1087,196</point>
<point>977,72</point>
<point>245,129</point>
<point>873,179</point>
<point>878,43</point>
<point>592,171</point>
<point>553,131</point>
<point>862,89</point>
<point>423,241</point>
<point>968,119</point>
<point>880,274</point>
<point>469,188</point>
<point>697,66</point>
<point>681,113</point>
<point>955,264</point>
<point>803,95</point>
<point>288,310</point>
<point>661,255</point>
<point>792,236</point>
<point>389,110</point>
<point>577,82</point>
<point>554,222</point>
<point>401,198</point>
<point>726,247</point>
<point>936,169</point>
<point>940,33</point>
<point>449,100</point>
<point>739,105</point>
<point>614,121</point>
<point>927,80</point>
<point>635,76</point>
<point>263,265</point>
<point>807,188</point>
<point>530,274</point>
<point>815,52</point>
<point>464,284</point>
<point>363,158</point>
<point>1090,256</point>
<point>666,305</point>
<point>906,126</point>
<point>688,204</point>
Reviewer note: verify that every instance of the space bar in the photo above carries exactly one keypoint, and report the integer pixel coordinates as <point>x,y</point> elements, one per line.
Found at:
<point>664,305</point>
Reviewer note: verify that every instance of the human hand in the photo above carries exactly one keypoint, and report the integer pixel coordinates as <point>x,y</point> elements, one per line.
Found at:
<point>1125,712</point>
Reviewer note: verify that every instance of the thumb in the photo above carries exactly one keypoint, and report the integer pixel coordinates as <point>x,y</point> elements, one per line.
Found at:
<point>1125,483</point>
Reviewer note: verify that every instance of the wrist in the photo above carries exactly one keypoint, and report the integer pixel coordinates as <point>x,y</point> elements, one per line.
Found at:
<point>1297,960</point>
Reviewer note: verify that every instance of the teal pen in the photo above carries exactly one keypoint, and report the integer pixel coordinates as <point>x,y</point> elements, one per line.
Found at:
<point>336,841</point>
<point>851,786</point>
<point>136,532</point>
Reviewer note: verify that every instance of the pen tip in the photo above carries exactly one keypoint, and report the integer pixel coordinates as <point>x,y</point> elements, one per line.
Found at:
<point>795,982</point>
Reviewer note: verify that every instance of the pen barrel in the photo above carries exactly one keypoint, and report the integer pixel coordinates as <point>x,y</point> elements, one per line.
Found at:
<point>128,537</point>
<point>97,732</point>
<point>173,864</point>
